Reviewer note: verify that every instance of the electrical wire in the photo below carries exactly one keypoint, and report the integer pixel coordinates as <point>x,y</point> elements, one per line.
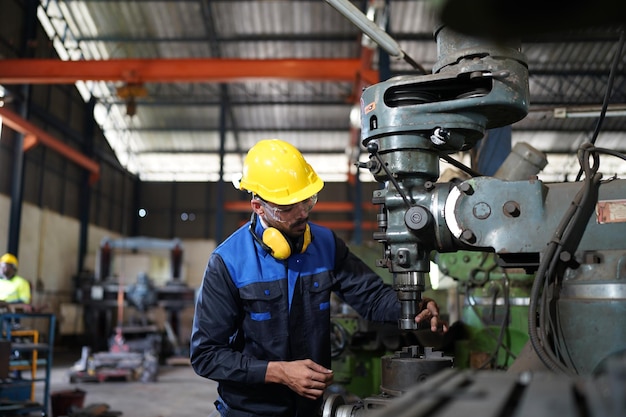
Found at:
<point>542,291</point>
<point>607,93</point>
<point>543,318</point>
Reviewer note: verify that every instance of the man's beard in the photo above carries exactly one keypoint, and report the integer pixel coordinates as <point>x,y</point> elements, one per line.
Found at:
<point>288,229</point>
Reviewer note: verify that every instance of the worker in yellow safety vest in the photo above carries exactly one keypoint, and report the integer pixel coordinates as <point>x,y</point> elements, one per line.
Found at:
<point>14,290</point>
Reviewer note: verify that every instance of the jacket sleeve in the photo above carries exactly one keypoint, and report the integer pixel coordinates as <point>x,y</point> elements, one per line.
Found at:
<point>213,349</point>
<point>362,288</point>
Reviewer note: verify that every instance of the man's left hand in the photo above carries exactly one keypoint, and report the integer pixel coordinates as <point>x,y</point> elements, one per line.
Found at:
<point>429,310</point>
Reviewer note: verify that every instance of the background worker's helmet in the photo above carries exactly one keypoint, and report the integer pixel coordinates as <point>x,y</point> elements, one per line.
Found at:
<point>8,258</point>
<point>277,172</point>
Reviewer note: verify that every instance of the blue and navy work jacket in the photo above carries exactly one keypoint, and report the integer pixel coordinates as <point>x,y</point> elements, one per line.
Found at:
<point>253,308</point>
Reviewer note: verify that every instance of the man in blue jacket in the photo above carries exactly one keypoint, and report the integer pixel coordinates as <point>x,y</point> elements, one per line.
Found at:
<point>262,319</point>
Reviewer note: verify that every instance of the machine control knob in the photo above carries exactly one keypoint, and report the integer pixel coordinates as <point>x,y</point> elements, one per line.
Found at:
<point>417,218</point>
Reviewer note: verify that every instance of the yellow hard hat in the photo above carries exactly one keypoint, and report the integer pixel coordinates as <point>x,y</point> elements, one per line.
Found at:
<point>278,173</point>
<point>8,258</point>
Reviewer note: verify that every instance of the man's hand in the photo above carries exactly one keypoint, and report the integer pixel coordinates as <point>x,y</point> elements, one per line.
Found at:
<point>304,377</point>
<point>429,310</point>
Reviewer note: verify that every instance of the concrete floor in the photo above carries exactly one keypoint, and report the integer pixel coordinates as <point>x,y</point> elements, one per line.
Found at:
<point>178,391</point>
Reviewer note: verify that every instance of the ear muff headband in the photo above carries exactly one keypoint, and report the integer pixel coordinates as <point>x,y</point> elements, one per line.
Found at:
<point>275,243</point>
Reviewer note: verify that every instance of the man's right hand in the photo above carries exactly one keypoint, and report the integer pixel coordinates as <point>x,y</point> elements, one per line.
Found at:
<point>304,377</point>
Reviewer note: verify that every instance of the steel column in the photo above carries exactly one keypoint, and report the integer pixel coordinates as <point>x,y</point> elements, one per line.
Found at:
<point>219,218</point>
<point>17,186</point>
<point>84,199</point>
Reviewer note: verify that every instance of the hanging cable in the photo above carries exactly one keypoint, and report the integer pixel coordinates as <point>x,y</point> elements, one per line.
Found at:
<point>544,288</point>
<point>543,318</point>
<point>607,93</point>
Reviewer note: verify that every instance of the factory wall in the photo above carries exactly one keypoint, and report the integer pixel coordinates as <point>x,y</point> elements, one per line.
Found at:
<point>48,259</point>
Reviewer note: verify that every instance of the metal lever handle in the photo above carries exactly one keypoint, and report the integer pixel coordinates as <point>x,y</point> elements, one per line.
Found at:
<point>382,38</point>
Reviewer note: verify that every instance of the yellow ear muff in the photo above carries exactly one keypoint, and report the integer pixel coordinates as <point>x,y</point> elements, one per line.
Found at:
<point>277,243</point>
<point>280,247</point>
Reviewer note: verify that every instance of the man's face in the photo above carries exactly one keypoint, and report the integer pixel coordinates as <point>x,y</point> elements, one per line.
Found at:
<point>291,220</point>
<point>7,270</point>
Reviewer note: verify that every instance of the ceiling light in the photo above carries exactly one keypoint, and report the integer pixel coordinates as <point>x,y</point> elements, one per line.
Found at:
<point>585,112</point>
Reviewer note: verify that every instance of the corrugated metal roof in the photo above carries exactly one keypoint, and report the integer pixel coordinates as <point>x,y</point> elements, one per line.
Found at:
<point>177,129</point>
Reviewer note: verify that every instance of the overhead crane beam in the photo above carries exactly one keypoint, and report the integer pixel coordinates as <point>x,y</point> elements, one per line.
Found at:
<point>54,71</point>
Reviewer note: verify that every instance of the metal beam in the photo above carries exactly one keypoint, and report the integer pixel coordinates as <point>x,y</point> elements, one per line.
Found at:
<point>54,71</point>
<point>36,136</point>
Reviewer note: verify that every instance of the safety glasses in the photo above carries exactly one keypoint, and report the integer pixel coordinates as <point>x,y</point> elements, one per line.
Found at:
<point>280,213</point>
